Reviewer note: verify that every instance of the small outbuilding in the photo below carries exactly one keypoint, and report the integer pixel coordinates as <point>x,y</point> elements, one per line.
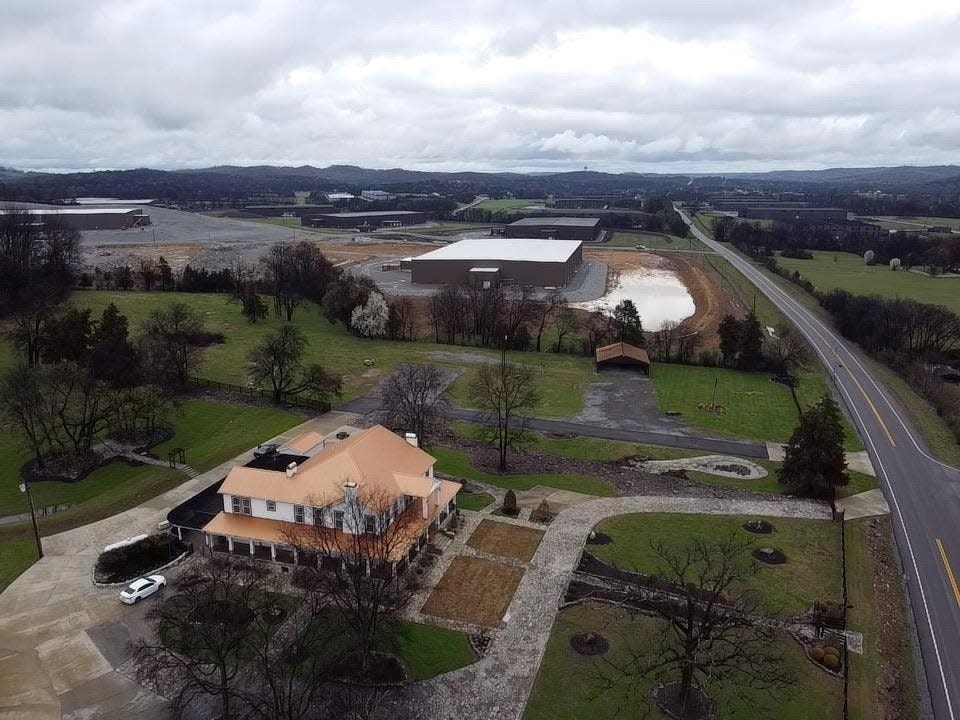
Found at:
<point>622,354</point>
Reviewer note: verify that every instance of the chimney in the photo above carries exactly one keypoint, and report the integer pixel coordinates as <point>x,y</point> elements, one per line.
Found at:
<point>412,439</point>
<point>350,491</point>
<point>292,469</point>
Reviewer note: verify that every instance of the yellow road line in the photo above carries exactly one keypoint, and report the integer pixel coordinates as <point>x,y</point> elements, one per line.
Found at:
<point>872,406</point>
<point>949,569</point>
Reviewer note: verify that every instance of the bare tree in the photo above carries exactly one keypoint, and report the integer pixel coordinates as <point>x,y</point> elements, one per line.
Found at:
<point>279,277</point>
<point>715,632</point>
<point>788,349</point>
<point>279,359</point>
<point>665,338</point>
<point>566,322</point>
<point>205,634</point>
<point>599,328</point>
<point>402,322</point>
<point>364,534</point>
<point>173,343</point>
<point>148,272</point>
<point>504,392</point>
<point>413,400</point>
<point>545,310</point>
<point>24,404</point>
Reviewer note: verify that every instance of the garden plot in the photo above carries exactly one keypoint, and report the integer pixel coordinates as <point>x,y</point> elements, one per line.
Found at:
<point>474,591</point>
<point>513,541</point>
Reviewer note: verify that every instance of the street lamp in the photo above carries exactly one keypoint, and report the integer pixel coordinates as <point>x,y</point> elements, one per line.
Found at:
<point>25,488</point>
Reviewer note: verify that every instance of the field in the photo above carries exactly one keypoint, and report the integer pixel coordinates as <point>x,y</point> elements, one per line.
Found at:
<point>910,223</point>
<point>330,345</point>
<point>754,406</point>
<point>569,686</point>
<point>829,271</point>
<point>508,205</point>
<point>654,241</point>
<point>812,571</point>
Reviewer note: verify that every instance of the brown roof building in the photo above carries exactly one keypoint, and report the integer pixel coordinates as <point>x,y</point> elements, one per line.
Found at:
<point>622,354</point>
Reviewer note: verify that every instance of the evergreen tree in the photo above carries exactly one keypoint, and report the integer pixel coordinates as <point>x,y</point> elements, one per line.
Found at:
<point>750,356</point>
<point>730,330</point>
<point>814,464</point>
<point>627,319</point>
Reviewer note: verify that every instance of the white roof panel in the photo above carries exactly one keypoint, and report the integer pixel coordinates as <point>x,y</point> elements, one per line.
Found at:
<point>74,211</point>
<point>528,249</point>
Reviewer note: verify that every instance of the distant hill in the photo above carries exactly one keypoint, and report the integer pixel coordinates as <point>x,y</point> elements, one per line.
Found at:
<point>227,182</point>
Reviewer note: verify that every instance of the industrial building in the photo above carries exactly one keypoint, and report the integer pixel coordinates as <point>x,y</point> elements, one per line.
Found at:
<point>300,211</point>
<point>793,214</point>
<point>557,228</point>
<point>367,220</point>
<point>87,218</point>
<point>489,262</point>
<point>595,202</point>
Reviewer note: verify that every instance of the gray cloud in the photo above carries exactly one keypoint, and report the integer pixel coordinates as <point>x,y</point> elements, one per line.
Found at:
<point>664,85</point>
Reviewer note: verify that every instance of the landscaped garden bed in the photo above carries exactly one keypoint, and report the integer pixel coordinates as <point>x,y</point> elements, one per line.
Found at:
<point>499,538</point>
<point>474,591</point>
<point>140,558</point>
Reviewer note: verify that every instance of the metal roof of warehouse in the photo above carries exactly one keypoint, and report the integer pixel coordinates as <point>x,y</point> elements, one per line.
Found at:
<point>529,249</point>
<point>75,211</point>
<point>373,213</point>
<point>573,221</point>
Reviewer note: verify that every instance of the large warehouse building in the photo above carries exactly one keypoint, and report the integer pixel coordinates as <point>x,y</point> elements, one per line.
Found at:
<point>557,228</point>
<point>87,218</point>
<point>490,261</point>
<point>367,220</point>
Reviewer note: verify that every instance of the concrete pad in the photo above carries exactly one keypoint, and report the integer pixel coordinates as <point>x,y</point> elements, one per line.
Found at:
<point>858,461</point>
<point>775,452</point>
<point>557,499</point>
<point>865,504</point>
<point>112,639</point>
<point>111,696</point>
<point>23,682</point>
<point>72,660</point>
<point>31,712</point>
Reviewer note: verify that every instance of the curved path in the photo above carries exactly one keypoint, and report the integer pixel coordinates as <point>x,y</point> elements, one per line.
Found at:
<point>497,686</point>
<point>923,493</point>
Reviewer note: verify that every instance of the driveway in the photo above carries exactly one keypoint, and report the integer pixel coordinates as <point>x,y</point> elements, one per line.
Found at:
<point>626,399</point>
<point>62,638</point>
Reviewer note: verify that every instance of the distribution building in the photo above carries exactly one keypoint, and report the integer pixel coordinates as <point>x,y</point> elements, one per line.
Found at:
<point>367,220</point>
<point>87,218</point>
<point>491,261</point>
<point>558,228</point>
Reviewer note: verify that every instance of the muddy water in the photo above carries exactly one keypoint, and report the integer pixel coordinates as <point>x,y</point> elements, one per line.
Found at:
<point>658,294</point>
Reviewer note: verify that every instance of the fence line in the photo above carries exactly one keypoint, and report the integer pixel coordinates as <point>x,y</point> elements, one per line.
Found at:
<point>261,394</point>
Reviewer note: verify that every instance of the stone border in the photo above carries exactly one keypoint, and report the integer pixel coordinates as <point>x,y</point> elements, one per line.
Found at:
<point>176,561</point>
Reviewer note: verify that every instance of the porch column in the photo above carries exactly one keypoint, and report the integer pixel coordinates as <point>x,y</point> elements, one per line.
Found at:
<point>366,568</point>
<point>252,547</point>
<point>273,552</point>
<point>230,543</point>
<point>179,533</point>
<point>295,556</point>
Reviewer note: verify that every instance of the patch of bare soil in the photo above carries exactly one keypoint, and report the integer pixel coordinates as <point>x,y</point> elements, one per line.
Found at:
<point>892,638</point>
<point>620,475</point>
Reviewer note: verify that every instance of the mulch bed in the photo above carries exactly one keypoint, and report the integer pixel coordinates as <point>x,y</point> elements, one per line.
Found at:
<point>621,474</point>
<point>141,558</point>
<point>62,468</point>
<point>769,556</point>
<point>666,698</point>
<point>383,670</point>
<point>474,590</point>
<point>758,527</point>
<point>498,538</point>
<point>589,644</point>
<point>222,612</point>
<point>599,538</point>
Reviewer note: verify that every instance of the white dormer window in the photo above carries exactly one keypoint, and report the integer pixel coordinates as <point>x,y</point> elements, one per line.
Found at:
<point>241,505</point>
<point>298,513</point>
<point>318,517</point>
<point>271,506</point>
<point>369,525</point>
<point>338,519</point>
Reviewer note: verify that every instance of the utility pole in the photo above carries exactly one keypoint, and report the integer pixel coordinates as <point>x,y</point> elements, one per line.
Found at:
<point>25,488</point>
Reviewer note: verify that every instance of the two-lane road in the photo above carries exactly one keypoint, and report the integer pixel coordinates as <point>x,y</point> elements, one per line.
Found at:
<point>923,493</point>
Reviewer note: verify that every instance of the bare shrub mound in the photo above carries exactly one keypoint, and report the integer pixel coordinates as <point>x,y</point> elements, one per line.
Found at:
<point>589,644</point>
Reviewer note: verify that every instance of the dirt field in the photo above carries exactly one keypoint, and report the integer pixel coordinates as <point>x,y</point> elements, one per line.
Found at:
<point>497,538</point>
<point>474,591</point>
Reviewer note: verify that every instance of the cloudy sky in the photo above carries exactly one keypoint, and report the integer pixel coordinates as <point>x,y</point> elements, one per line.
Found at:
<point>647,85</point>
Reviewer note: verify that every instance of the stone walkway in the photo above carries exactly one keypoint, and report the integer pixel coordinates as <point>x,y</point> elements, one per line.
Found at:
<point>497,686</point>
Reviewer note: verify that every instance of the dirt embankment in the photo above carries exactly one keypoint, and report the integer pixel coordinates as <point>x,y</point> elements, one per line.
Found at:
<point>711,300</point>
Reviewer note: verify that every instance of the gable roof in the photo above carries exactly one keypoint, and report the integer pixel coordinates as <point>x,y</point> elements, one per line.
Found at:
<point>383,465</point>
<point>622,349</point>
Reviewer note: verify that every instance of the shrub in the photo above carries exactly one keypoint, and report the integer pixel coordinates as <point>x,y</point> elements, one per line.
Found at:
<point>831,662</point>
<point>510,503</point>
<point>817,654</point>
<point>141,558</point>
<point>542,513</point>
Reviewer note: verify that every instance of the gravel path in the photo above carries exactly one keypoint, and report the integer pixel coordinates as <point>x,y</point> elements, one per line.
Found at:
<point>497,687</point>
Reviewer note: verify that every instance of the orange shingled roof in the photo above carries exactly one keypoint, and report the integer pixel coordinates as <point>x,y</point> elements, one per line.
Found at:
<point>372,459</point>
<point>302,443</point>
<point>247,527</point>
<point>622,349</point>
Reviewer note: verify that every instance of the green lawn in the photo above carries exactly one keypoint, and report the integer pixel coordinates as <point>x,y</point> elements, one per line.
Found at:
<point>830,271</point>
<point>473,501</point>
<point>560,387</point>
<point>654,241</point>
<point>15,557</point>
<point>910,223</point>
<point>333,346</point>
<point>213,432</point>
<point>755,407</point>
<point>568,686</point>
<point>509,205</point>
<point>859,482</point>
<point>812,547</point>
<point>427,651</point>
<point>453,462</point>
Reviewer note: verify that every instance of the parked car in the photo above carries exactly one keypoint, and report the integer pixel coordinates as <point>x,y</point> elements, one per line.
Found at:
<point>141,588</point>
<point>266,450</point>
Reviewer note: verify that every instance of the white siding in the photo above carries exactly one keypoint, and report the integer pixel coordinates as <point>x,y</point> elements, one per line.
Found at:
<point>227,503</point>
<point>283,512</point>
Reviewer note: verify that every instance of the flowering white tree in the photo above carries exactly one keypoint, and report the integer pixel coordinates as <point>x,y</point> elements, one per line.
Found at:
<point>370,319</point>
<point>895,264</point>
<point>868,257</point>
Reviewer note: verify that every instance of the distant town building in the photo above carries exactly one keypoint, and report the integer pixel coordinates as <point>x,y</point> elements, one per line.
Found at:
<point>300,211</point>
<point>339,197</point>
<point>598,202</point>
<point>557,228</point>
<point>488,262</point>
<point>793,214</point>
<point>375,195</point>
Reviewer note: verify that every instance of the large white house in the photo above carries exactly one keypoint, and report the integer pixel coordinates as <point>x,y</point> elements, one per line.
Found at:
<point>367,486</point>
